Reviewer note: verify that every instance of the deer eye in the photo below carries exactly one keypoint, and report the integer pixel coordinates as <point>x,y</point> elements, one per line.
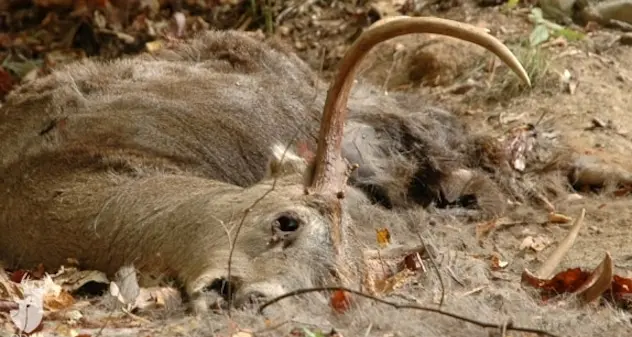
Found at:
<point>287,223</point>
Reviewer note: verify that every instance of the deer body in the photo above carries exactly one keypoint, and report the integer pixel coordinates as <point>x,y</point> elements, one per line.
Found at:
<point>158,161</point>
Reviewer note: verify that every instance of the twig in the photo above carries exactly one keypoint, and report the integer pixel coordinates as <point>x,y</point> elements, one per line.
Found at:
<point>435,267</point>
<point>509,325</point>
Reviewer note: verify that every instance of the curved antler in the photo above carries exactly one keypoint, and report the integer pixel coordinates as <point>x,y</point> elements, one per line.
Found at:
<point>330,170</point>
<point>329,173</point>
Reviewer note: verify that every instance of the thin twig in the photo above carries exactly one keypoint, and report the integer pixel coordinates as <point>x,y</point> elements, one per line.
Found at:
<point>481,324</point>
<point>435,267</point>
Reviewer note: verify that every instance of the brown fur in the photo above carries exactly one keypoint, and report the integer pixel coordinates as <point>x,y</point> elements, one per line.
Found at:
<point>153,160</point>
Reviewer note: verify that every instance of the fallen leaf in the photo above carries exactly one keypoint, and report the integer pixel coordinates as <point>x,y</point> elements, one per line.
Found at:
<point>394,282</point>
<point>412,262</point>
<point>381,264</point>
<point>154,46</point>
<point>537,244</point>
<point>340,301</point>
<point>559,218</point>
<point>55,302</point>
<point>497,263</point>
<point>567,281</point>
<point>383,237</point>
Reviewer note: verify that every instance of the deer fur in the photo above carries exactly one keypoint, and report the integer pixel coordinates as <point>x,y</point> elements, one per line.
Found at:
<point>217,91</point>
<point>157,161</point>
<point>406,149</point>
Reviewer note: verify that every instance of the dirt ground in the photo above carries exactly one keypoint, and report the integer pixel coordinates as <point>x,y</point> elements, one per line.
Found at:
<point>470,82</point>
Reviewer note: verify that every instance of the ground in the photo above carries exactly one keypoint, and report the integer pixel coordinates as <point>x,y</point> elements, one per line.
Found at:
<point>581,93</point>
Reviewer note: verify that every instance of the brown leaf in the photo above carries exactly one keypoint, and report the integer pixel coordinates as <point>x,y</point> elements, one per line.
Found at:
<point>340,301</point>
<point>497,263</point>
<point>567,281</point>
<point>411,261</point>
<point>57,302</point>
<point>621,291</point>
<point>383,237</point>
<point>559,218</point>
<point>394,282</point>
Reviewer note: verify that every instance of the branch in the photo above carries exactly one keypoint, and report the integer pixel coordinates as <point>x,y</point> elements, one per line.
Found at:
<point>505,325</point>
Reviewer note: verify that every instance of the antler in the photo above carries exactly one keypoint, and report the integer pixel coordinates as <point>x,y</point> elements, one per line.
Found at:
<point>330,170</point>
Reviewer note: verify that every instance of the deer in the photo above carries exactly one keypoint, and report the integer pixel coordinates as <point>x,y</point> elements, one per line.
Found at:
<point>409,153</point>
<point>141,161</point>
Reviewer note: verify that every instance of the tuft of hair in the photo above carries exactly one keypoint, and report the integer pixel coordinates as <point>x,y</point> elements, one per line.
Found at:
<point>284,161</point>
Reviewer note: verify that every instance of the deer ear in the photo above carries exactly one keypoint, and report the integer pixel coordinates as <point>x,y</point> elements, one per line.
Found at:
<point>284,161</point>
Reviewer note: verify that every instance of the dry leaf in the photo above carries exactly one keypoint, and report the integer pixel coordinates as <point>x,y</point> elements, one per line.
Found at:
<point>394,282</point>
<point>567,281</point>
<point>383,237</point>
<point>55,302</point>
<point>497,263</point>
<point>559,218</point>
<point>340,301</point>
<point>154,46</point>
<point>599,283</point>
<point>411,262</point>
<point>537,243</point>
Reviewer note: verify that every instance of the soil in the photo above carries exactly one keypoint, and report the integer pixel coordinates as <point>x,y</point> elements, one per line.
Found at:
<point>470,82</point>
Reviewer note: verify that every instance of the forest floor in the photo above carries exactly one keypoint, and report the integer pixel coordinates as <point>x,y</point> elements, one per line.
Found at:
<point>582,85</point>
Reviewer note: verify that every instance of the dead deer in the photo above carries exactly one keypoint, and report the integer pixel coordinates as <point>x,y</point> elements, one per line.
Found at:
<point>261,93</point>
<point>139,161</point>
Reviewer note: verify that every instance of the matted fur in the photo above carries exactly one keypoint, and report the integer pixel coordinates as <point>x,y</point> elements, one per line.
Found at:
<point>235,97</point>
